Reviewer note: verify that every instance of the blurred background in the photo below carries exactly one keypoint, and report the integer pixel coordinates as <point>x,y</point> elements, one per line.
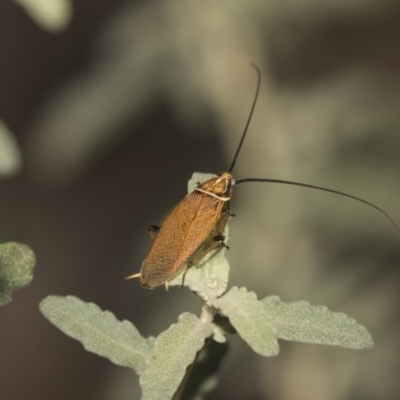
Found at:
<point>113,105</point>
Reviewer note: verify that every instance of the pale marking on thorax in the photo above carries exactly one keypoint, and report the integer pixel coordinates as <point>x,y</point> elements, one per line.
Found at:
<point>212,194</point>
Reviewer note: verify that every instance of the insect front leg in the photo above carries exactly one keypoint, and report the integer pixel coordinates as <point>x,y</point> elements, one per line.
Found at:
<point>221,240</point>
<point>153,230</point>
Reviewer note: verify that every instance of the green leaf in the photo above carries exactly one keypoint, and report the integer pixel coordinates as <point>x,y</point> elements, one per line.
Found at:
<point>174,350</point>
<point>198,177</point>
<point>99,331</point>
<point>16,268</point>
<point>209,278</point>
<point>299,321</point>
<point>247,315</point>
<point>10,157</point>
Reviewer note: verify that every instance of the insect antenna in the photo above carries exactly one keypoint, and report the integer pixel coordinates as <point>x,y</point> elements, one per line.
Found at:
<point>290,182</point>
<point>324,190</point>
<point>248,119</point>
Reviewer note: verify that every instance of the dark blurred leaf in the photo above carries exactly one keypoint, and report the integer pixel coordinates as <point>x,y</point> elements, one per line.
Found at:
<point>10,157</point>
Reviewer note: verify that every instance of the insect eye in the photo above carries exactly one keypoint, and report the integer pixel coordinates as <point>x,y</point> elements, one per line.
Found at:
<point>233,181</point>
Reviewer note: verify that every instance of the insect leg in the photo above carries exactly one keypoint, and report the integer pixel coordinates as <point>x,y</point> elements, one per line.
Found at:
<point>153,230</point>
<point>189,264</point>
<point>221,240</point>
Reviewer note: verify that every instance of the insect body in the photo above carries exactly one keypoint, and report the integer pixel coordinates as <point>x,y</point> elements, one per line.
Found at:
<point>192,229</point>
<point>196,224</point>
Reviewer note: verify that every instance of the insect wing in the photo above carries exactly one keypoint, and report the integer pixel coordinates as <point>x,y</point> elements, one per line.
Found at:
<point>183,233</point>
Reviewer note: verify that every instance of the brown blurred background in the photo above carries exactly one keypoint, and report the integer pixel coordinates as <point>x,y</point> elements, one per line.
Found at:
<point>116,103</point>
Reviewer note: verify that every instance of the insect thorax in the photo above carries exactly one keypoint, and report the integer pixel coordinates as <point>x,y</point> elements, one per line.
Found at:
<point>219,187</point>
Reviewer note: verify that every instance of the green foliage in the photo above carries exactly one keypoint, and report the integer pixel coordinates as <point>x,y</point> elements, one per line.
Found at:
<point>182,361</point>
<point>99,331</point>
<point>248,317</point>
<point>174,350</point>
<point>17,261</point>
<point>301,322</point>
<point>16,268</point>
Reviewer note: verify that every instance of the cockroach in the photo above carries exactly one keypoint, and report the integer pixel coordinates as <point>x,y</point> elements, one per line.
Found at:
<point>195,226</point>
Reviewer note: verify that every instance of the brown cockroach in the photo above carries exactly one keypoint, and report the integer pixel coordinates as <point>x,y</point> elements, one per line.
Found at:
<point>195,226</point>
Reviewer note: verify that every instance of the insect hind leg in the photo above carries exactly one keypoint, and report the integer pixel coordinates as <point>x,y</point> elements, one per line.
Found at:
<point>220,239</point>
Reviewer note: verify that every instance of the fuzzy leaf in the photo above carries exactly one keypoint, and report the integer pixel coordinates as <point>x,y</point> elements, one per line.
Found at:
<point>299,321</point>
<point>16,268</point>
<point>198,177</point>
<point>209,278</point>
<point>247,315</point>
<point>10,156</point>
<point>174,350</point>
<point>99,331</point>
